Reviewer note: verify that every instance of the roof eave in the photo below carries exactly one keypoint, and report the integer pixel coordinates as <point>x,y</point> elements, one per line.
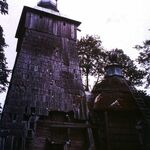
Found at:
<point>26,9</point>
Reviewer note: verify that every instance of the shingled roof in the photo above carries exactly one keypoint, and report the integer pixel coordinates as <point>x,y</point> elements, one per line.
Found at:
<point>113,93</point>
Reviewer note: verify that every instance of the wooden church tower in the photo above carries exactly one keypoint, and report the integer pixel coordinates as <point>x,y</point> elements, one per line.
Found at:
<point>46,108</point>
<point>45,105</point>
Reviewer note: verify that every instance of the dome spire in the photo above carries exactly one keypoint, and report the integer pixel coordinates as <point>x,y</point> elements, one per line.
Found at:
<point>49,4</point>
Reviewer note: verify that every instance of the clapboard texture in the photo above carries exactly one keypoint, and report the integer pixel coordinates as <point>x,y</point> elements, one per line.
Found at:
<point>45,88</point>
<point>46,74</point>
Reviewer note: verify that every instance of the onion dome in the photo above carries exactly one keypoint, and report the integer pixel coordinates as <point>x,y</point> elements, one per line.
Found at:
<point>49,4</point>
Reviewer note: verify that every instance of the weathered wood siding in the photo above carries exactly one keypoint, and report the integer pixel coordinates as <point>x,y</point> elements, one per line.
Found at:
<point>46,78</point>
<point>50,26</point>
<point>122,131</point>
<point>71,138</point>
<point>46,75</point>
<point>118,131</point>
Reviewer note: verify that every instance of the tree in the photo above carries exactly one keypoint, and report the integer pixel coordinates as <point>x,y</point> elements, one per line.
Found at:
<point>144,59</point>
<point>144,96</point>
<point>3,7</point>
<point>90,53</point>
<point>4,72</point>
<point>94,58</point>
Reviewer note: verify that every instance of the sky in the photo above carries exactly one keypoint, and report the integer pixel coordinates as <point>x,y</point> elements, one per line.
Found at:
<point>119,23</point>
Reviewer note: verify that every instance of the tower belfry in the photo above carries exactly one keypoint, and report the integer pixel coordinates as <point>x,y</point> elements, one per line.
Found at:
<point>45,105</point>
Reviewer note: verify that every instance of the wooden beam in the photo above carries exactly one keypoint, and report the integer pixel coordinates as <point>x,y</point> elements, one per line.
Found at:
<point>65,124</point>
<point>107,130</point>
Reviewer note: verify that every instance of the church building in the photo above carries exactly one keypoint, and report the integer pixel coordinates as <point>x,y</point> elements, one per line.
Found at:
<point>46,107</point>
<point>121,116</point>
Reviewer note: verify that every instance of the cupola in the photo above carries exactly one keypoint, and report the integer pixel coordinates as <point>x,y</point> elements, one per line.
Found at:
<point>113,69</point>
<point>49,4</point>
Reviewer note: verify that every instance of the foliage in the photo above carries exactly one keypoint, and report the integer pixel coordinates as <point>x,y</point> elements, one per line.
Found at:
<point>144,59</point>
<point>94,58</point>
<point>90,53</point>
<point>144,96</point>
<point>3,7</point>
<point>129,69</point>
<point>4,72</point>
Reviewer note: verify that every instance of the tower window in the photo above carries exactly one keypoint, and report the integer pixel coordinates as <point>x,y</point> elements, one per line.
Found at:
<point>64,23</point>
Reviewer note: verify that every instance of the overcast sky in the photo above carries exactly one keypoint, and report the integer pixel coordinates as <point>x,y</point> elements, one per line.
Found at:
<point>119,23</point>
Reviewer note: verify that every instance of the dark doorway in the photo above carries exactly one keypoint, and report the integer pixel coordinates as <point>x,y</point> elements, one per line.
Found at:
<point>56,147</point>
